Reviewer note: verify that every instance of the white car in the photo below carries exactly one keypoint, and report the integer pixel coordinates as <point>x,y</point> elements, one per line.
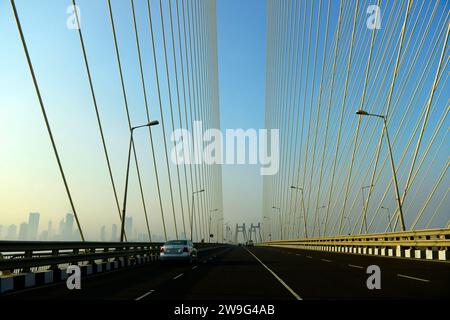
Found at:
<point>178,250</point>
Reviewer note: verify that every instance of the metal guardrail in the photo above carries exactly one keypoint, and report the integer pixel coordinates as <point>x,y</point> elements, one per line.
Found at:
<point>24,255</point>
<point>434,240</point>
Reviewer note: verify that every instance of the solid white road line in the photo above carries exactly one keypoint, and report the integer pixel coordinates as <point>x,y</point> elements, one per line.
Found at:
<point>354,266</point>
<point>412,278</point>
<point>178,276</point>
<point>325,260</point>
<point>194,267</point>
<point>144,295</point>
<point>276,276</point>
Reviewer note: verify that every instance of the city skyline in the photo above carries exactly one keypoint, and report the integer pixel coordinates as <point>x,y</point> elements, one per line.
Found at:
<point>33,230</point>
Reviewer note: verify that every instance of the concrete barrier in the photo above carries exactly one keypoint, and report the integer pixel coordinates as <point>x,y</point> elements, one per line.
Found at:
<point>409,253</point>
<point>98,267</point>
<point>444,255</point>
<point>44,277</point>
<point>430,254</point>
<point>418,254</point>
<point>6,283</point>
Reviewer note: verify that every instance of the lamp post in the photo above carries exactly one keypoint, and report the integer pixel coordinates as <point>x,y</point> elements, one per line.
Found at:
<point>322,207</point>
<point>303,208</point>
<point>218,225</point>
<point>348,220</point>
<point>192,213</point>
<point>209,226</point>
<point>394,175</point>
<point>279,221</point>
<point>270,228</point>
<point>364,208</point>
<point>124,207</point>
<point>389,217</point>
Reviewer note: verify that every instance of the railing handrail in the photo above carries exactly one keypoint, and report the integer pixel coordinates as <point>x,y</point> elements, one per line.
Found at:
<point>438,237</point>
<point>15,246</point>
<point>30,254</point>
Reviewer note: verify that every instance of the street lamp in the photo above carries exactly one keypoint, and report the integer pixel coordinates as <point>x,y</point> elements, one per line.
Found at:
<point>364,207</point>
<point>394,175</point>
<point>348,220</point>
<point>389,217</point>
<point>303,208</point>
<point>279,220</point>
<point>150,124</point>
<point>209,226</point>
<point>192,209</point>
<point>322,207</point>
<point>218,225</point>
<point>270,227</point>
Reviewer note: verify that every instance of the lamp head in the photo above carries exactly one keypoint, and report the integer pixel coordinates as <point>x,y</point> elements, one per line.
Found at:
<point>361,112</point>
<point>153,123</point>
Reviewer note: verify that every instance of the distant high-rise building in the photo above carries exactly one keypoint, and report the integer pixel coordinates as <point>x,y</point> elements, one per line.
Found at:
<point>49,230</point>
<point>44,236</point>
<point>129,228</point>
<point>33,225</point>
<point>103,234</point>
<point>11,233</point>
<point>114,233</point>
<point>66,227</point>
<point>23,231</point>
<point>69,225</point>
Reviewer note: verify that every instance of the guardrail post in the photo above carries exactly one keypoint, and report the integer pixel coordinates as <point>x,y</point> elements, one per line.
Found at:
<point>444,254</point>
<point>28,254</point>
<point>55,253</point>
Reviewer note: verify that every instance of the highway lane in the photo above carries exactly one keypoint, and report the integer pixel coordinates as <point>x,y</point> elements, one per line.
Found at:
<point>124,284</point>
<point>262,273</point>
<point>235,275</point>
<point>326,275</point>
<point>309,275</point>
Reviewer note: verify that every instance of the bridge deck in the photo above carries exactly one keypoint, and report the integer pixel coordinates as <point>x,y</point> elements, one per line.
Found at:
<point>235,273</point>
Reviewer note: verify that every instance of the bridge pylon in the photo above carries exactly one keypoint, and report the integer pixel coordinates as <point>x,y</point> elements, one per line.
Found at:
<point>240,229</point>
<point>255,229</point>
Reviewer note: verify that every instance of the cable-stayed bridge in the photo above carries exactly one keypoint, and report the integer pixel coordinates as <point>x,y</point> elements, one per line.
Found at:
<point>358,91</point>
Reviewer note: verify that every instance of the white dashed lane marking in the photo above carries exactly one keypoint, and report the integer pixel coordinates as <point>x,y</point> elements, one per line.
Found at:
<point>412,278</point>
<point>144,295</point>
<point>178,276</point>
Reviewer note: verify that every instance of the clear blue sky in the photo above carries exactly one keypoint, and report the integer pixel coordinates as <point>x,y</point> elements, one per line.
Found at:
<point>28,173</point>
<point>29,179</point>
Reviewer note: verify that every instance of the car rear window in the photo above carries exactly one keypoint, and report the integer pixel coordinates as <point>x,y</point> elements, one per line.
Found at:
<point>176,243</point>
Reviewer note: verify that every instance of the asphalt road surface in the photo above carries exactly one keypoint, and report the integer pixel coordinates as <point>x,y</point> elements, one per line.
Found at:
<point>260,273</point>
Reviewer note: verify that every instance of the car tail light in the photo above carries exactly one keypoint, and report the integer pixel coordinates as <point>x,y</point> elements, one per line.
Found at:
<point>185,249</point>
<point>162,249</point>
